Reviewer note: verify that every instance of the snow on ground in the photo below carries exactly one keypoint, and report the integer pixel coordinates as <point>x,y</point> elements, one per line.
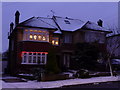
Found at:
<point>60,83</point>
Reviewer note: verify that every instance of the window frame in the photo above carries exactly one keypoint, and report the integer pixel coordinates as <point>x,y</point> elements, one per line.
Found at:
<point>36,55</point>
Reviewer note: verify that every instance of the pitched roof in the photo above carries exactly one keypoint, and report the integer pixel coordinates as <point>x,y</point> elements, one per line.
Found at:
<point>68,24</point>
<point>63,23</point>
<point>39,22</point>
<point>94,26</point>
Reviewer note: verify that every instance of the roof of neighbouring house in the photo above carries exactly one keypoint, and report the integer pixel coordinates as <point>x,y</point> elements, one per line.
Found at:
<point>61,23</point>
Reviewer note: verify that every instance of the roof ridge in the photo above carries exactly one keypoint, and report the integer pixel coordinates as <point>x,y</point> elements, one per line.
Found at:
<point>69,18</point>
<point>47,23</point>
<point>44,17</point>
<point>27,20</point>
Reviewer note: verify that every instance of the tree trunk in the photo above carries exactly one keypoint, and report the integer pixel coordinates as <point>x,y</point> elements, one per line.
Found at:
<point>110,66</point>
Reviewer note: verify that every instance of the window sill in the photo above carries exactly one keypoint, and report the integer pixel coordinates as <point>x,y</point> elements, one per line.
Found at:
<point>33,63</point>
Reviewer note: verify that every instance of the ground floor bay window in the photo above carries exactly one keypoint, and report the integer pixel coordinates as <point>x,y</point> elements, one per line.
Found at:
<point>34,57</point>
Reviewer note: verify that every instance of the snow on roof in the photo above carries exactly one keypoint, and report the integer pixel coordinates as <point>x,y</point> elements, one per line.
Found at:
<point>58,31</point>
<point>93,26</point>
<point>65,24</point>
<point>39,22</point>
<point>68,24</point>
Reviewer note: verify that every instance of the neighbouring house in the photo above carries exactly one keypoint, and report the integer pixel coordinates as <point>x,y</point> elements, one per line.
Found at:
<point>113,45</point>
<point>4,61</point>
<point>30,40</point>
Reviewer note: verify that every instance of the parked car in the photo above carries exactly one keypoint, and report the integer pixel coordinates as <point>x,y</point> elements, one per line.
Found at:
<point>116,64</point>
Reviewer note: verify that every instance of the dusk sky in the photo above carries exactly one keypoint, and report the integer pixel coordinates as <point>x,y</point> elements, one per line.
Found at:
<point>92,11</point>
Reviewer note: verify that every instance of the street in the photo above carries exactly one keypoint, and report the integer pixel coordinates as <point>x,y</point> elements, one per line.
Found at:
<point>114,84</point>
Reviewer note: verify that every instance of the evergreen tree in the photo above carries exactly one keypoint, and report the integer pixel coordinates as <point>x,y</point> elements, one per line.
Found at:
<point>51,66</point>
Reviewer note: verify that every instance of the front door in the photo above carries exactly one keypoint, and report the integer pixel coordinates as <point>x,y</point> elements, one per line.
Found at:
<point>66,60</point>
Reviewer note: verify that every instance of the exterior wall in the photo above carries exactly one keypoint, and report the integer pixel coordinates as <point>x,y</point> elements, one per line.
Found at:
<point>78,37</point>
<point>112,43</point>
<point>64,49</point>
<point>92,36</point>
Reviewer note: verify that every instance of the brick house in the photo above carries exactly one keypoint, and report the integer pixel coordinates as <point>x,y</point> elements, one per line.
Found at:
<point>30,40</point>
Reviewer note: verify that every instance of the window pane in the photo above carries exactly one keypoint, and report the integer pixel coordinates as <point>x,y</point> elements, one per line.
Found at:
<point>43,60</point>
<point>39,60</point>
<point>34,59</point>
<point>24,61</point>
<point>44,38</point>
<point>30,59</point>
<point>30,36</point>
<point>39,37</point>
<point>35,37</point>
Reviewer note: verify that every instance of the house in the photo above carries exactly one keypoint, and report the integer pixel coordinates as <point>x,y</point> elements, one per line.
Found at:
<point>113,45</point>
<point>4,61</point>
<point>30,40</point>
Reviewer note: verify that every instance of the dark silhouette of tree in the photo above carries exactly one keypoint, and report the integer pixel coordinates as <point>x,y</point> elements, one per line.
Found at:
<point>51,65</point>
<point>86,55</point>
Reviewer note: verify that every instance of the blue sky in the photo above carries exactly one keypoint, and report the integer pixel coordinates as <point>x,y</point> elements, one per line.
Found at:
<point>92,11</point>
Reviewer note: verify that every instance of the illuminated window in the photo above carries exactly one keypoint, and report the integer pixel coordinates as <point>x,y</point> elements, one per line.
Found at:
<point>31,36</point>
<point>39,37</point>
<point>35,37</point>
<point>34,57</point>
<point>31,30</point>
<point>43,38</point>
<point>55,41</point>
<point>26,30</point>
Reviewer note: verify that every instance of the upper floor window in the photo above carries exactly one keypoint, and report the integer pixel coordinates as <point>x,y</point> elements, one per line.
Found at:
<point>55,41</point>
<point>36,35</point>
<point>67,38</point>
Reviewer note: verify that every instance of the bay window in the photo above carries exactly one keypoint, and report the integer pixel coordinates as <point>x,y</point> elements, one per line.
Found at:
<point>34,57</point>
<point>36,35</point>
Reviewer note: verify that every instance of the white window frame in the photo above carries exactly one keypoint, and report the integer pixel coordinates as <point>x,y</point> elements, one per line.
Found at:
<point>27,54</point>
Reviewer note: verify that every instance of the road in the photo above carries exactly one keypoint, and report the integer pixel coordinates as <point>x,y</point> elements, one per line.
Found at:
<point>115,84</point>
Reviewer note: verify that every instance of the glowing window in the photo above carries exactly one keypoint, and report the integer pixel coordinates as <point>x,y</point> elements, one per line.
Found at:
<point>35,37</point>
<point>31,36</point>
<point>55,41</point>
<point>26,30</point>
<point>31,30</point>
<point>39,37</point>
<point>43,38</point>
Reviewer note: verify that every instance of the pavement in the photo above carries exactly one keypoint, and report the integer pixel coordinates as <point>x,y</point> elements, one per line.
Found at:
<point>55,84</point>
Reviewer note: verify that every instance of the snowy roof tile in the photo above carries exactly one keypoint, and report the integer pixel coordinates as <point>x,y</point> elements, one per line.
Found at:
<point>63,23</point>
<point>39,22</point>
<point>68,24</point>
<point>94,26</point>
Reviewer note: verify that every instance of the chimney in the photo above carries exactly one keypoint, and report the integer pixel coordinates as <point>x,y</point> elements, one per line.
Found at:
<point>17,14</point>
<point>100,22</point>
<point>11,26</point>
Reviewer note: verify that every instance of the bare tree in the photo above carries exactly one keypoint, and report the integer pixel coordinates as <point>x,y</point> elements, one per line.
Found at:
<point>113,44</point>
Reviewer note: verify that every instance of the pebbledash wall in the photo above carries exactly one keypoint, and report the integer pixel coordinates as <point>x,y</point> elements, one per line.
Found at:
<point>30,41</point>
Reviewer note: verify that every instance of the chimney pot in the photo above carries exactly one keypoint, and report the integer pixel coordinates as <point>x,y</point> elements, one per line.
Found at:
<point>100,22</point>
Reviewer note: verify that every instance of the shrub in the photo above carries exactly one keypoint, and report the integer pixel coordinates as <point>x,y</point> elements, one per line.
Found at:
<point>51,65</point>
<point>82,73</point>
<point>38,73</point>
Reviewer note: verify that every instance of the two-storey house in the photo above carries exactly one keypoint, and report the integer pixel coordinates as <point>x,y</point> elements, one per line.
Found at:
<point>30,40</point>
